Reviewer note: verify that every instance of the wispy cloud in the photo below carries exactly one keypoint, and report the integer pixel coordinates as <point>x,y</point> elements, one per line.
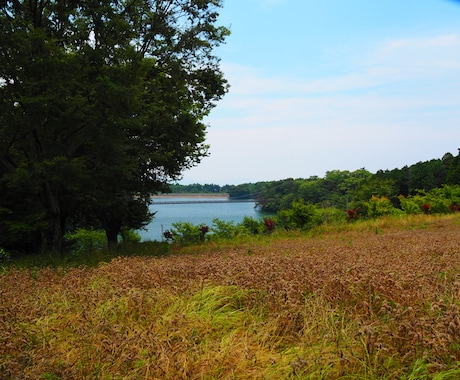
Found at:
<point>398,101</point>
<point>391,62</point>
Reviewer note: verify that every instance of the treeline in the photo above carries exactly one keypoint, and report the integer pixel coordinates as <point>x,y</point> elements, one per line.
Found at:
<point>243,191</point>
<point>344,190</point>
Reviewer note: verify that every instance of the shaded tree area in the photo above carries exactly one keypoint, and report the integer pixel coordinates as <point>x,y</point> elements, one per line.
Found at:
<point>101,106</point>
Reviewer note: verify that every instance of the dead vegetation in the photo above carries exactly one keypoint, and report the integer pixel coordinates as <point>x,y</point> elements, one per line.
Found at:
<point>368,303</point>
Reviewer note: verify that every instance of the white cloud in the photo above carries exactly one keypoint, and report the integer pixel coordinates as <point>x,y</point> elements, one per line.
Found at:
<point>392,62</point>
<point>428,53</point>
<point>399,104</point>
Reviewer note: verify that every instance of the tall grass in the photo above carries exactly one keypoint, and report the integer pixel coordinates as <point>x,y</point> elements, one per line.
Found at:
<point>376,300</point>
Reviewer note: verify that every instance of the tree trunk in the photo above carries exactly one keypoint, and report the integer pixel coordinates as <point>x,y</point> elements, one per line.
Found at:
<point>52,237</point>
<point>112,226</point>
<point>112,235</point>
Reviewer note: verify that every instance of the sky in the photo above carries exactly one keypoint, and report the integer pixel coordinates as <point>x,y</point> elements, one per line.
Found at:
<point>322,85</point>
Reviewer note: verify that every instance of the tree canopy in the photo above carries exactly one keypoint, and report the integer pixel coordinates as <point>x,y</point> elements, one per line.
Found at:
<point>101,105</point>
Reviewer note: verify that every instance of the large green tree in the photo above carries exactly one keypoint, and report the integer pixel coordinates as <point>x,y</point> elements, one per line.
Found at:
<point>101,104</point>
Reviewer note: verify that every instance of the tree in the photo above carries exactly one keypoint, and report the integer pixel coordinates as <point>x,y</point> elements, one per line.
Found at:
<point>453,175</point>
<point>101,105</point>
<point>375,187</point>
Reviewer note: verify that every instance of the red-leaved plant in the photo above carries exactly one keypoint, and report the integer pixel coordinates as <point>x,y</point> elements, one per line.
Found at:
<point>269,225</point>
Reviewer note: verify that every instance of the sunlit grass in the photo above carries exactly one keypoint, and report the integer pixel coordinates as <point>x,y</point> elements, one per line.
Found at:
<point>364,300</point>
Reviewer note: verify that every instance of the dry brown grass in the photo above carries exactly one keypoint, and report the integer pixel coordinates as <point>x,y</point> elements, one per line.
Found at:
<point>368,302</point>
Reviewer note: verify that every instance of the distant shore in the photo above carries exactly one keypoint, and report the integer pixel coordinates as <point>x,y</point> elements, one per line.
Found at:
<point>193,195</point>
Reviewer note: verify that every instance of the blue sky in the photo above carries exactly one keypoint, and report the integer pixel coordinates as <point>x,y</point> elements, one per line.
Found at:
<point>333,85</point>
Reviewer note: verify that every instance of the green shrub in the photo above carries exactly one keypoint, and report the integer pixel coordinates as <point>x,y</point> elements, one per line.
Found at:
<point>436,199</point>
<point>186,232</point>
<point>252,226</point>
<point>300,216</point>
<point>224,230</point>
<point>409,205</point>
<point>84,240</point>
<point>329,215</point>
<point>380,206</point>
<point>130,236</point>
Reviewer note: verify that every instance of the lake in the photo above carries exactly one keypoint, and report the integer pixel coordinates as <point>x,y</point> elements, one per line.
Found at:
<point>196,212</point>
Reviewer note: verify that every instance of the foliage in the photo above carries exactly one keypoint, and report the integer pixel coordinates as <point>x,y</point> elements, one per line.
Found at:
<point>304,216</point>
<point>196,188</point>
<point>352,214</point>
<point>253,226</point>
<point>409,205</point>
<point>130,236</point>
<point>329,215</point>
<point>224,230</point>
<point>242,191</point>
<point>299,216</point>
<point>441,200</point>
<point>85,240</point>
<point>91,240</point>
<point>333,190</point>
<point>340,189</point>
<point>373,187</point>
<point>379,206</point>
<point>101,105</point>
<point>269,225</point>
<point>185,232</point>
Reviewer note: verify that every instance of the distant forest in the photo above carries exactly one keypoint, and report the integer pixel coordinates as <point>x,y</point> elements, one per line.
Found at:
<point>342,189</point>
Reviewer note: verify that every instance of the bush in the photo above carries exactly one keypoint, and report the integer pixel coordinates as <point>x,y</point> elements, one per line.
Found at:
<point>330,215</point>
<point>409,205</point>
<point>252,226</point>
<point>224,230</point>
<point>130,236</point>
<point>436,200</point>
<point>186,232</point>
<point>380,206</point>
<point>300,216</point>
<point>84,240</point>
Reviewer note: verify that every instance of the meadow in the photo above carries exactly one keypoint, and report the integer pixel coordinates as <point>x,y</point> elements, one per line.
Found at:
<point>365,300</point>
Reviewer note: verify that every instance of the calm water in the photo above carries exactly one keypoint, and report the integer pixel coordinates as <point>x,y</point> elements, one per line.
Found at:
<point>195,213</point>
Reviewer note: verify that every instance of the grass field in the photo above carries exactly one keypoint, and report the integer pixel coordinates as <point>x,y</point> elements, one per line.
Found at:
<point>371,300</point>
